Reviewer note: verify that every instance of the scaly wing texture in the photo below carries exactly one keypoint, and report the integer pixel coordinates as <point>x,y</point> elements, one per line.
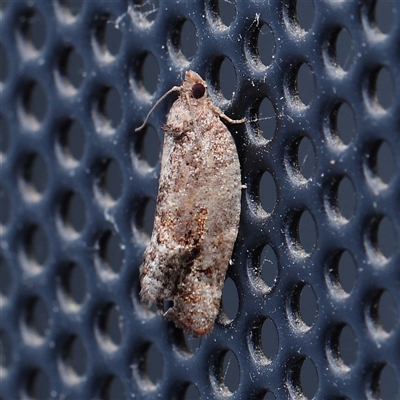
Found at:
<point>197,217</point>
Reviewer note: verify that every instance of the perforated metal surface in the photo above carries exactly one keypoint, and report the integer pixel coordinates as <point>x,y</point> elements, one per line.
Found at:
<point>311,305</point>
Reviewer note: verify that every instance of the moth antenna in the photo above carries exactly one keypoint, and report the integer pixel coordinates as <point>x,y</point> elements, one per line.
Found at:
<point>173,89</point>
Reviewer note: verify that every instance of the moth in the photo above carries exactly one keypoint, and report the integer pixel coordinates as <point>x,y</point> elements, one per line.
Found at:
<point>197,210</point>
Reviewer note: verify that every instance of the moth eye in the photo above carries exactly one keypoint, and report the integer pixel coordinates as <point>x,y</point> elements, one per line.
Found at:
<point>198,90</point>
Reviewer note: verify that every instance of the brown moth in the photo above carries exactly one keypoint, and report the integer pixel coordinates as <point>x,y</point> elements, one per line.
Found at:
<point>197,212</point>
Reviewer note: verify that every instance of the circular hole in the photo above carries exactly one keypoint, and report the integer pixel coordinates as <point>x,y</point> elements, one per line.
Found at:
<point>382,314</point>
<point>343,123</point>
<point>230,300</point>
<point>108,38</point>
<point>387,313</point>
<point>113,388</point>
<point>148,146</point>
<point>73,285</point>
<point>307,232</point>
<point>5,209</point>
<point>269,339</point>
<point>227,372</point>
<point>265,44</point>
<point>231,371</point>
<point>71,7</point>
<point>388,385</point>
<point>110,327</point>
<point>343,272</point>
<point>71,67</point>
<point>226,11</point>
<point>384,15</point>
<point>6,280</point>
<point>5,350</point>
<point>37,384</point>
<point>152,366</point>
<point>149,74</point>
<point>34,177</point>
<point>301,234</point>
<point>227,79</point>
<point>381,239</point>
<point>33,106</point>
<point>387,238</point>
<point>306,158</point>
<point>344,49</point>
<point>381,89</point>
<point>343,347</point>
<point>346,198</point>
<point>269,266</point>
<point>264,119</point>
<point>191,393</point>
<point>111,181</point>
<point>347,346</point>
<point>4,137</point>
<point>145,216</point>
<point>309,379</point>
<point>341,128</point>
<point>269,396</point>
<point>32,31</point>
<point>192,343</point>
<point>74,357</point>
<point>303,307</point>
<point>73,213</point>
<point>37,319</point>
<point>188,40</point>
<point>347,272</point>
<point>380,165</point>
<point>185,343</point>
<point>146,10</point>
<point>35,248</point>
<point>72,142</point>
<point>385,88</point>
<point>305,82</point>
<point>267,192</point>
<point>308,306</point>
<point>385,163</point>
<point>109,111</point>
<point>111,252</point>
<point>4,67</point>
<point>304,14</point>
<point>300,159</point>
<point>303,379</point>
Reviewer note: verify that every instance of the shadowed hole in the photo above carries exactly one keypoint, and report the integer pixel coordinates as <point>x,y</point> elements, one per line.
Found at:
<point>71,142</point>
<point>227,79</point>
<point>74,356</point>
<point>35,248</point>
<point>188,40</point>
<point>108,37</point>
<point>32,30</point>
<point>267,192</point>
<point>37,384</point>
<point>230,299</point>
<point>111,252</point>
<point>112,389</point>
<point>148,146</point>
<point>73,285</point>
<point>5,209</point>
<point>110,327</point>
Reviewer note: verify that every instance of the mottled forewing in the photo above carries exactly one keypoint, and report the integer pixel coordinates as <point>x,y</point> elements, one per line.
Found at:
<point>197,217</point>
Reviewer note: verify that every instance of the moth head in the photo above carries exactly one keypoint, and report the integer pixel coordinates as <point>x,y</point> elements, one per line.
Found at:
<point>194,85</point>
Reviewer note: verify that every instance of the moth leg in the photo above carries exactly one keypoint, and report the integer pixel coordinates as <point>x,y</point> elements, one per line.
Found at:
<point>223,116</point>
